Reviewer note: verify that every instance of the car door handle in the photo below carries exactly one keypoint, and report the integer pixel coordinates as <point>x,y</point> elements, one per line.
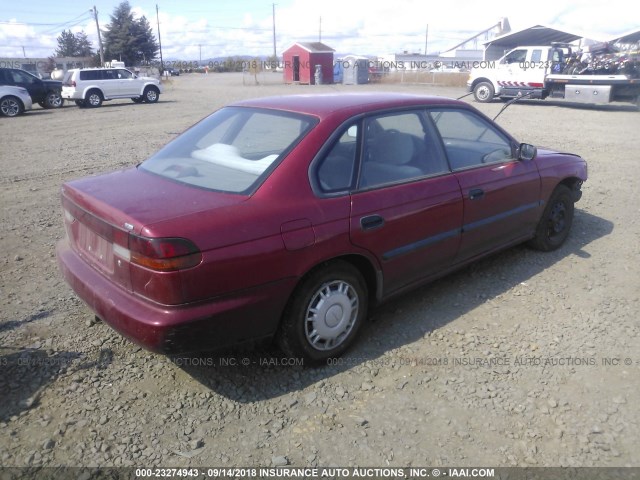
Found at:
<point>371,222</point>
<point>476,194</point>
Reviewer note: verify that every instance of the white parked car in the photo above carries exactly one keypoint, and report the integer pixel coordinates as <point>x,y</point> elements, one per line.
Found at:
<point>14,100</point>
<point>89,87</point>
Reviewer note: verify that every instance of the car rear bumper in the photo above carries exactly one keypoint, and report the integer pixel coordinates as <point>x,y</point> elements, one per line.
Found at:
<point>71,94</point>
<point>246,316</point>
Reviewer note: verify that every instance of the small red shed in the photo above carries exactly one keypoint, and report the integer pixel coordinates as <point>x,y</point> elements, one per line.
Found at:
<point>300,62</point>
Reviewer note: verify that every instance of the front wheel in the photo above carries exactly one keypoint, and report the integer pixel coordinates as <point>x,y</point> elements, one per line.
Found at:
<point>324,314</point>
<point>151,95</point>
<point>483,92</point>
<point>555,224</point>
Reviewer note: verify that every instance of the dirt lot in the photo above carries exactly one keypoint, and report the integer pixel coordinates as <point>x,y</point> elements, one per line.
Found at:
<point>525,358</point>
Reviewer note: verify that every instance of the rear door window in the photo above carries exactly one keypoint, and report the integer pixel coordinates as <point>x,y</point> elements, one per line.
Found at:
<point>90,75</point>
<point>399,147</point>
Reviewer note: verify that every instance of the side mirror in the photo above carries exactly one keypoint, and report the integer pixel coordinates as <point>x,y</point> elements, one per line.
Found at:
<point>527,152</point>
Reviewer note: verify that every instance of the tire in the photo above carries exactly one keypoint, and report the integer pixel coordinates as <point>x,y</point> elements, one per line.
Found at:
<point>324,313</point>
<point>80,103</point>
<point>483,92</point>
<point>555,223</point>
<point>53,100</point>
<point>11,106</point>
<point>93,99</point>
<point>151,95</point>
<point>138,99</point>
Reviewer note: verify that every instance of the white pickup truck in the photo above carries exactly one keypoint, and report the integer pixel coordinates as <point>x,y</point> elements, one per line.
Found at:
<point>541,72</point>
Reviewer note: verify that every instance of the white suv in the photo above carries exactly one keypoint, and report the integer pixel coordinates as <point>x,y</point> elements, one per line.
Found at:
<point>89,87</point>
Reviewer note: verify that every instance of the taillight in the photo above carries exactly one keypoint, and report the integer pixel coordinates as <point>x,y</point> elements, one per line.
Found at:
<point>73,83</point>
<point>160,254</point>
<point>163,254</point>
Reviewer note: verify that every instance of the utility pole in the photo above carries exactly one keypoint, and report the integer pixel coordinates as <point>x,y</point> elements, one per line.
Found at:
<point>275,58</point>
<point>426,40</point>
<point>95,14</point>
<point>159,41</point>
<point>320,31</point>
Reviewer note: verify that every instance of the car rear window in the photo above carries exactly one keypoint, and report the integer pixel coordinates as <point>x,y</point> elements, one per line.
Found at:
<point>232,150</point>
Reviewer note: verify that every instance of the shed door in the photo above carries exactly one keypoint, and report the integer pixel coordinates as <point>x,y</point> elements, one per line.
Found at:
<point>296,68</point>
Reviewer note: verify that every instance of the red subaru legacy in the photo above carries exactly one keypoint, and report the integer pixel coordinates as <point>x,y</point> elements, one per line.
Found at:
<point>289,217</point>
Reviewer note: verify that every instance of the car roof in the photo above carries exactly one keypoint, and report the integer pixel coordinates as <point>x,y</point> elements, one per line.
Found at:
<point>96,68</point>
<point>323,105</point>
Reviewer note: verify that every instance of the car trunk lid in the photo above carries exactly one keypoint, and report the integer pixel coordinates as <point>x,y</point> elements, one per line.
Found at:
<point>106,216</point>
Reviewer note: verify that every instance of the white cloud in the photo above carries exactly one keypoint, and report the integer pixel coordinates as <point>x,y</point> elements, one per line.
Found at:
<point>356,26</point>
<point>16,36</point>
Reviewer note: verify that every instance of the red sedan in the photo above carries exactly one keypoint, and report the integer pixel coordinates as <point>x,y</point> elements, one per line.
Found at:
<point>289,217</point>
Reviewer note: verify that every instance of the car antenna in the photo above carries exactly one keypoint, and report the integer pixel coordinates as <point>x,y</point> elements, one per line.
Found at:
<point>512,101</point>
<point>465,95</point>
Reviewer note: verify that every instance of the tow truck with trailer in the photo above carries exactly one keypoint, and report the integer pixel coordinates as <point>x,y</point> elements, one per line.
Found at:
<point>540,72</point>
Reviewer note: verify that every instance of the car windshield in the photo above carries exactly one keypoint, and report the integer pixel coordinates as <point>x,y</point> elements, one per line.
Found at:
<point>232,150</point>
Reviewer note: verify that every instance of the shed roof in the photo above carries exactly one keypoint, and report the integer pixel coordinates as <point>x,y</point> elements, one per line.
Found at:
<point>314,47</point>
<point>629,37</point>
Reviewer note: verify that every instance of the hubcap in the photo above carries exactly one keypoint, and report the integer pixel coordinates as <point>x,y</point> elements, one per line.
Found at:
<point>151,95</point>
<point>557,219</point>
<point>483,93</point>
<point>55,100</point>
<point>10,108</point>
<point>94,99</point>
<point>331,315</point>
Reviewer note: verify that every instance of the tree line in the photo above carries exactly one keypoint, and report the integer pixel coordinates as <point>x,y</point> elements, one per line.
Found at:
<point>125,39</point>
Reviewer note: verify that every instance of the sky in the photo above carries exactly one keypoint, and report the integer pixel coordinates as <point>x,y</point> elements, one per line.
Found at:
<point>201,29</point>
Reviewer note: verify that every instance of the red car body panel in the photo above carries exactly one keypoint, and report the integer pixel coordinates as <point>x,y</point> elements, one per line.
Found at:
<point>256,247</point>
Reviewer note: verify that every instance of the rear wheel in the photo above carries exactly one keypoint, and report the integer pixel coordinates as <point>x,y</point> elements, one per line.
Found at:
<point>53,100</point>
<point>151,95</point>
<point>11,106</point>
<point>80,103</point>
<point>325,313</point>
<point>93,99</point>
<point>483,92</point>
<point>555,224</point>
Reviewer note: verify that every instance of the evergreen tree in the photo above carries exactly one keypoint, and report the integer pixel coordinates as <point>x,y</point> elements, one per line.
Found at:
<point>84,47</point>
<point>70,45</point>
<point>127,39</point>
<point>145,43</point>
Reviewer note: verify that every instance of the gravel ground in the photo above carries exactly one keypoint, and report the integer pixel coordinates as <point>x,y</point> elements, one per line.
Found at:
<point>522,359</point>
